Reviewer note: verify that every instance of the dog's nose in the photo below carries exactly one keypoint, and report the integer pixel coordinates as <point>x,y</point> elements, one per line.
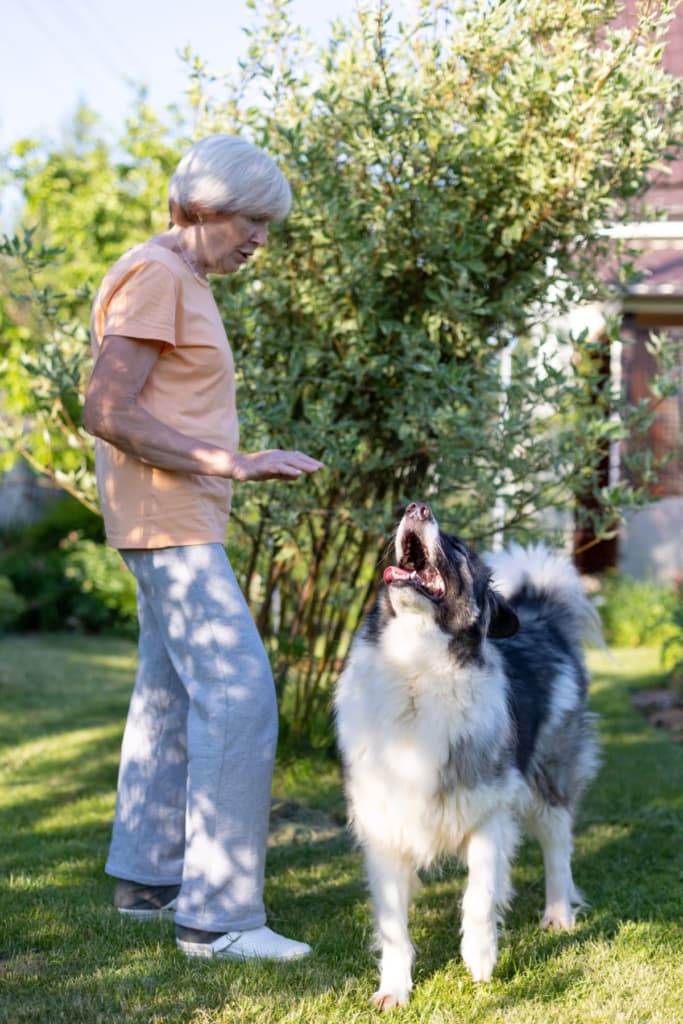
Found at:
<point>418,510</point>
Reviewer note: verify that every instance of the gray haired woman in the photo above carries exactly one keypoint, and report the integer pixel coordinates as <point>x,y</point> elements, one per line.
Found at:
<point>193,795</point>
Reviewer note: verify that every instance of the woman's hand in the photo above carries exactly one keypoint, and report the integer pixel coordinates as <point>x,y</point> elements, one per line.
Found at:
<point>273,464</point>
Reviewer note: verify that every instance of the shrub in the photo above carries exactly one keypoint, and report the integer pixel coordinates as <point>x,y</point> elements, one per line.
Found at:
<point>106,589</point>
<point>453,174</point>
<point>64,576</point>
<point>11,604</point>
<point>635,613</point>
<point>672,652</point>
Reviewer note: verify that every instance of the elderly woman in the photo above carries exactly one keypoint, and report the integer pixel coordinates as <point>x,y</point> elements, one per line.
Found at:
<point>193,797</point>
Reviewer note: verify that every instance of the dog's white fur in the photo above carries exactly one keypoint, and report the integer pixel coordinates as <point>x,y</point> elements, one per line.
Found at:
<point>400,709</point>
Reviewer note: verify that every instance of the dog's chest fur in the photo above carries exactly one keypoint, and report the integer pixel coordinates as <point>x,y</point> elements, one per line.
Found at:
<point>422,738</point>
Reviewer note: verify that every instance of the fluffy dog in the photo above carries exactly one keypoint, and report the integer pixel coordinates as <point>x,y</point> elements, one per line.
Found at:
<point>461,716</point>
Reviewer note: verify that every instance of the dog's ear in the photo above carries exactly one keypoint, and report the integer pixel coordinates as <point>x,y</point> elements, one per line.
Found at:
<point>503,622</point>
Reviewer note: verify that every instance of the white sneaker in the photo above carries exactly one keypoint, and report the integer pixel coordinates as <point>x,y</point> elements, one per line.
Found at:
<point>255,944</point>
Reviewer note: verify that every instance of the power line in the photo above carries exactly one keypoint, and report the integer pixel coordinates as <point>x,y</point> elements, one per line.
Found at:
<point>75,57</point>
<point>103,34</point>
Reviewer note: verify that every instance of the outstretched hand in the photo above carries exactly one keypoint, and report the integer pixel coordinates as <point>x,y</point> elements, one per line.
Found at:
<point>273,464</point>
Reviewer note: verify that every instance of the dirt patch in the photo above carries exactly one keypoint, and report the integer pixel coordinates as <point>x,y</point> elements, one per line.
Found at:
<point>292,822</point>
<point>663,709</point>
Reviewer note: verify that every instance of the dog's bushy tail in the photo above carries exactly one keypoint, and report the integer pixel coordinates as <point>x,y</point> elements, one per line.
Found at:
<point>536,574</point>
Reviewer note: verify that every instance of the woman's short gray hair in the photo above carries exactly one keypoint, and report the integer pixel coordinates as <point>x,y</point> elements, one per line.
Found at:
<point>227,174</point>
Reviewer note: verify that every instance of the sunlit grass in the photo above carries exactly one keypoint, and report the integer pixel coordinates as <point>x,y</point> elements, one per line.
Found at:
<point>66,956</point>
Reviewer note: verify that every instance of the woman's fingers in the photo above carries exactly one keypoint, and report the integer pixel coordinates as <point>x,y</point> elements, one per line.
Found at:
<point>275,464</point>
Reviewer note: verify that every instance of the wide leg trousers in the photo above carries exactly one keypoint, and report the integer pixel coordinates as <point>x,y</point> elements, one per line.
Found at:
<point>198,749</point>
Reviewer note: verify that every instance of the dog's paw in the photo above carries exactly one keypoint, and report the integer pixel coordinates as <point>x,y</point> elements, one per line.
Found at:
<point>558,917</point>
<point>480,956</point>
<point>389,1000</point>
<point>395,981</point>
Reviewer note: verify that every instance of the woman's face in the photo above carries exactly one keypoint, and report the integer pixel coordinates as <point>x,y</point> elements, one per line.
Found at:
<point>221,245</point>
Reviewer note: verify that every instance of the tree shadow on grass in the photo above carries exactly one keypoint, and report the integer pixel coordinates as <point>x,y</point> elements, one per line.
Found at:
<point>100,967</point>
<point>45,816</point>
<point>628,861</point>
<point>55,683</point>
<point>69,948</point>
<point>64,941</point>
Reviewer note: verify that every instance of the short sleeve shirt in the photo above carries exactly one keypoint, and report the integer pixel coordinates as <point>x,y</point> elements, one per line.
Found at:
<point>151,294</point>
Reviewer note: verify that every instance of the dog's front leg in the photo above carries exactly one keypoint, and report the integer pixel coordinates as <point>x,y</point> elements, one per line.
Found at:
<point>391,879</point>
<point>489,852</point>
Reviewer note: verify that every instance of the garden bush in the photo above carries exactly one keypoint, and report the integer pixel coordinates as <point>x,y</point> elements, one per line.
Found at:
<point>12,605</point>
<point>672,651</point>
<point>635,613</point>
<point>106,588</point>
<point>62,575</point>
<point>453,174</point>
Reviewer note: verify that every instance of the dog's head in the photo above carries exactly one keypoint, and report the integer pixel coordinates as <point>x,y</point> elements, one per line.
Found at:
<point>437,573</point>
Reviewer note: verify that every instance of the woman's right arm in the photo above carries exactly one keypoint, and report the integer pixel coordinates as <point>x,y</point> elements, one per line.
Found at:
<point>113,412</point>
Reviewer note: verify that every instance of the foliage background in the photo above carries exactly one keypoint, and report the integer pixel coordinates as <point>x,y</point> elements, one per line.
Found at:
<point>453,175</point>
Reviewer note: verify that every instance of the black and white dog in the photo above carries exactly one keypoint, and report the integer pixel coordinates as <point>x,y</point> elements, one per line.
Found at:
<point>461,716</point>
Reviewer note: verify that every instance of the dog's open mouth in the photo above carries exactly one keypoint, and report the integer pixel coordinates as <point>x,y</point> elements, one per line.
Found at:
<point>415,570</point>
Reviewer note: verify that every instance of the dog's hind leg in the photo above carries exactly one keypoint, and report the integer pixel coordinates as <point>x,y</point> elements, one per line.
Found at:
<point>392,880</point>
<point>489,851</point>
<point>552,826</point>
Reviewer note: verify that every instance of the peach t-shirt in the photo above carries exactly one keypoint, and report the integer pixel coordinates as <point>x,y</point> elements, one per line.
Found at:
<point>150,293</point>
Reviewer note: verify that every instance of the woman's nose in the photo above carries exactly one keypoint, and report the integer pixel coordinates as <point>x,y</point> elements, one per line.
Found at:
<point>260,234</point>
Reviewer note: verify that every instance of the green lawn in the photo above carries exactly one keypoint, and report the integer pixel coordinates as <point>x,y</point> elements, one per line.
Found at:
<point>66,956</point>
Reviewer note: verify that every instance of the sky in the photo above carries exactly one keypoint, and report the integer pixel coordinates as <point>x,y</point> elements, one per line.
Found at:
<point>57,53</point>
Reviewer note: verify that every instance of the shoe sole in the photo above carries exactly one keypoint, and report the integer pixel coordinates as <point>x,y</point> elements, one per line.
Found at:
<point>198,949</point>
<point>204,952</point>
<point>162,913</point>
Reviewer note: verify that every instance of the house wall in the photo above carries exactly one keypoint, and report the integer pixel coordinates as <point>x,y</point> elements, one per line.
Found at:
<point>651,545</point>
<point>23,496</point>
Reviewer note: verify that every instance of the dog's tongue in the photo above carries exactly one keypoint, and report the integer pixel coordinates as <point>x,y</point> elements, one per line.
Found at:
<point>394,573</point>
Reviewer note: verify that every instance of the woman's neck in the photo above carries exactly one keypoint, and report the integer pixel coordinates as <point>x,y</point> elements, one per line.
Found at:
<point>180,241</point>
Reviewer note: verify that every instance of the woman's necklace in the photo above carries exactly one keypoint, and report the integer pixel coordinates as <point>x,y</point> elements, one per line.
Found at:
<point>189,262</point>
